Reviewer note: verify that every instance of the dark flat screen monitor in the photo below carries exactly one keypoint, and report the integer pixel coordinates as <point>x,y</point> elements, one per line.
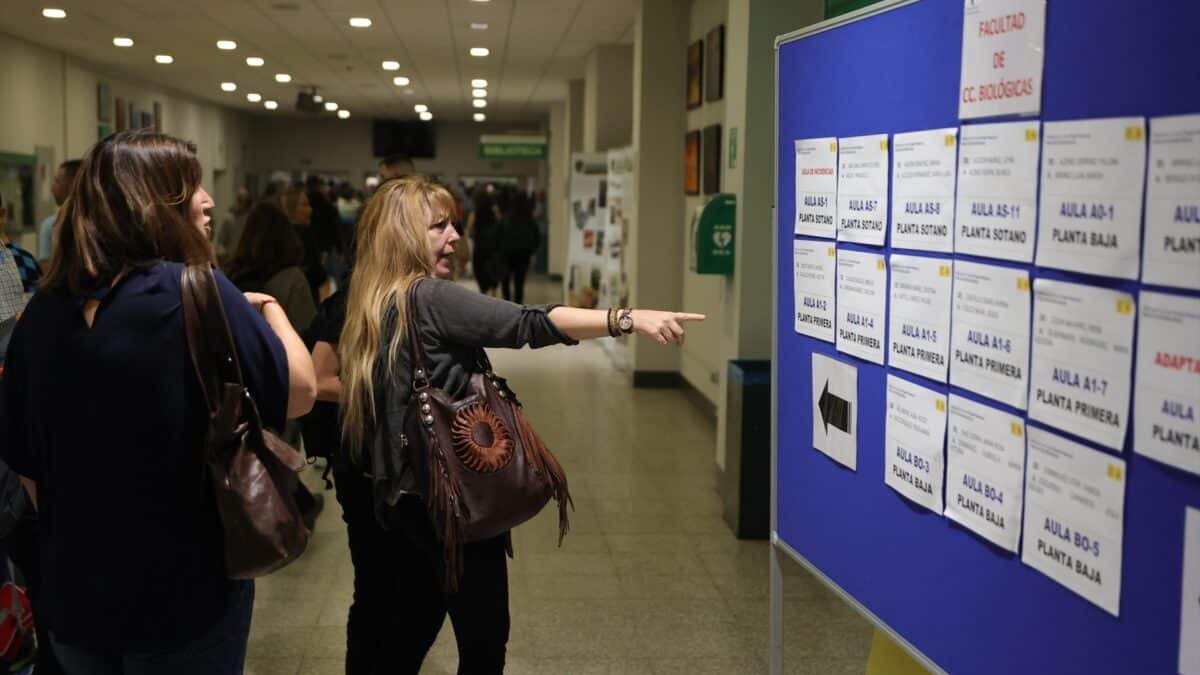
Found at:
<point>392,137</point>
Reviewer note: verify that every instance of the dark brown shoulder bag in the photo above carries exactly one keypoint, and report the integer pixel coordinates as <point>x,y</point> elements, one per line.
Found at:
<point>484,467</point>
<point>253,471</point>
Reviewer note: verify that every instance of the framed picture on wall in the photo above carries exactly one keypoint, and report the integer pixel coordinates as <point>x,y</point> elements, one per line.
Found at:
<point>712,159</point>
<point>158,117</point>
<point>122,120</point>
<point>104,102</point>
<point>695,74</point>
<point>103,131</point>
<point>714,65</point>
<point>691,163</point>
<point>147,120</point>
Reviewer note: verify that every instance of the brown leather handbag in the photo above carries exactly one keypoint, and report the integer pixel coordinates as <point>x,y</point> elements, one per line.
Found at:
<point>252,470</point>
<point>485,468</point>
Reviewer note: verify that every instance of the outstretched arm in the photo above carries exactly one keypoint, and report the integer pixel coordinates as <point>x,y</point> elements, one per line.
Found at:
<point>586,324</point>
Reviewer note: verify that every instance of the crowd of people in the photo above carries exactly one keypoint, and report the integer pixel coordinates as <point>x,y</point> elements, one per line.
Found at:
<point>105,423</point>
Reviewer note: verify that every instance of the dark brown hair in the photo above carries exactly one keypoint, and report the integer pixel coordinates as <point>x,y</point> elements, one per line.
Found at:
<point>269,244</point>
<point>128,208</point>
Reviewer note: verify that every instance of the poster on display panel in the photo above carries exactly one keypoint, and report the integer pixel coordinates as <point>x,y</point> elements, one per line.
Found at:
<point>587,213</point>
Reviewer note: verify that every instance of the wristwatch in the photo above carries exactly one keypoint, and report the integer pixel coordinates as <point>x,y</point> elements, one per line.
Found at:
<point>625,321</point>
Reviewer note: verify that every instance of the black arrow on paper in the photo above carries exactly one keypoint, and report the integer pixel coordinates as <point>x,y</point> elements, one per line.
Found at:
<point>834,410</point>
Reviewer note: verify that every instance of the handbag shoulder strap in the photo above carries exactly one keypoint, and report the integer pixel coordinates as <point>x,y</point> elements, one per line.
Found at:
<point>214,357</point>
<point>416,352</point>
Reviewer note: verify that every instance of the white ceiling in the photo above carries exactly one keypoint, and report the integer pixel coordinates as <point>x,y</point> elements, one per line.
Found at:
<point>536,45</point>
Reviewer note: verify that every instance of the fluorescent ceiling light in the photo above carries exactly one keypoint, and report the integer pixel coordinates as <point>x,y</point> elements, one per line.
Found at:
<point>270,105</point>
<point>480,83</point>
<point>359,22</point>
<point>228,86</point>
<point>479,93</point>
<point>54,13</point>
<point>426,116</point>
<point>479,103</point>
<point>163,58</point>
<point>400,81</point>
<point>343,114</point>
<point>317,98</point>
<point>255,61</point>
<point>479,25</point>
<point>420,107</point>
<point>330,106</point>
<point>226,45</point>
<point>283,77</point>
<point>391,65</point>
<point>253,97</point>
<point>481,1</point>
<point>479,117</point>
<point>480,51</point>
<point>123,41</point>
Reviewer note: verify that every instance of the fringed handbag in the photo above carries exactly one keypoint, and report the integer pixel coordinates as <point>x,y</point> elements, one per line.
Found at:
<point>484,467</point>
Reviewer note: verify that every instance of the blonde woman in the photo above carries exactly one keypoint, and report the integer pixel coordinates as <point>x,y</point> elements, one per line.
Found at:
<point>407,233</point>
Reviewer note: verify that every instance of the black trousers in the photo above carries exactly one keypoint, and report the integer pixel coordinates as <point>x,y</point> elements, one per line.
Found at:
<point>518,265</point>
<point>399,603</point>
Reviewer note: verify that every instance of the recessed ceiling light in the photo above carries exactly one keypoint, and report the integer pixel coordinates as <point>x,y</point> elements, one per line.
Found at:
<point>421,107</point>
<point>270,105</point>
<point>228,86</point>
<point>123,41</point>
<point>479,103</point>
<point>255,61</point>
<point>226,45</point>
<point>480,83</point>
<point>163,58</point>
<point>400,81</point>
<point>330,106</point>
<point>481,1</point>
<point>253,98</point>
<point>426,116</point>
<point>480,51</point>
<point>479,117</point>
<point>283,77</point>
<point>54,13</point>
<point>391,65</point>
<point>343,114</point>
<point>317,98</point>
<point>479,93</point>
<point>478,25</point>
<point>360,22</point>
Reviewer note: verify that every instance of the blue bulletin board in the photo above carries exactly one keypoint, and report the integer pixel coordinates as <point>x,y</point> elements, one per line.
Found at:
<point>957,602</point>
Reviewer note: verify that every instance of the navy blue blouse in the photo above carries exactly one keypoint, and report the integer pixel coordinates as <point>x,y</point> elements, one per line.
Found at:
<point>109,421</point>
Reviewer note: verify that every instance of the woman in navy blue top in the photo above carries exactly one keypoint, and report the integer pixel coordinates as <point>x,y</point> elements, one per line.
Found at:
<point>103,416</point>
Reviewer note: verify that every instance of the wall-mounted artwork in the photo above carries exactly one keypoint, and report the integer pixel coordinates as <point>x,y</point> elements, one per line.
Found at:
<point>147,121</point>
<point>103,131</point>
<point>691,163</point>
<point>158,117</point>
<point>712,159</point>
<point>104,102</point>
<point>714,64</point>
<point>695,74</point>
<point>122,120</point>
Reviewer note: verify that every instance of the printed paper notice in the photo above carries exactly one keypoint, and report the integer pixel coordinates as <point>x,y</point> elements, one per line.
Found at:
<point>1082,358</point>
<point>814,265</point>
<point>1189,613</point>
<point>816,187</point>
<point>989,334</point>
<point>923,189</point>
<point>835,410</point>
<point>1172,255</point>
<point>1091,207</point>
<point>996,210</point>
<point>919,335</point>
<point>1166,407</point>
<point>916,431</point>
<point>862,189</point>
<point>1003,43</point>
<point>1074,514</point>
<point>984,470</point>
<point>861,304</point>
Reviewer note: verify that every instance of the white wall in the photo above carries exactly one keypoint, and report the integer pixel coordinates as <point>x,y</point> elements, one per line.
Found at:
<point>344,147</point>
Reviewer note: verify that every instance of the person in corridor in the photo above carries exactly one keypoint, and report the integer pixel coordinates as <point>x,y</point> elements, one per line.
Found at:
<point>407,233</point>
<point>103,415</point>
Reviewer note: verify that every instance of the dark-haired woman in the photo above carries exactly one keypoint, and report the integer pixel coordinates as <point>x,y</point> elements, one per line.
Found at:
<point>268,261</point>
<point>99,382</point>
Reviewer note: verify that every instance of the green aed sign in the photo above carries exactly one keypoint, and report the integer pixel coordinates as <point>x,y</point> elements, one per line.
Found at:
<point>713,236</point>
<point>511,146</point>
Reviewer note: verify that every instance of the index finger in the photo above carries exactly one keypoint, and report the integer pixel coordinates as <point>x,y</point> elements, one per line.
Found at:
<point>690,317</point>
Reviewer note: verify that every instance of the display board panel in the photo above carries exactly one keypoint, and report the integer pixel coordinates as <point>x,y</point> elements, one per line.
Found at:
<point>959,600</point>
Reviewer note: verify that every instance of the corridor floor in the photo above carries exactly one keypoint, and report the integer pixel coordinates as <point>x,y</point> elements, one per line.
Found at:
<point>649,580</point>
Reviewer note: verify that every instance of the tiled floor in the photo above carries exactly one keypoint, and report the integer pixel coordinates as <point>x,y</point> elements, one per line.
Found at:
<point>650,579</point>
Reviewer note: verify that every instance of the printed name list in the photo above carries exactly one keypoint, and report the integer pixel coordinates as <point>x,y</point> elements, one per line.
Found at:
<point>816,187</point>
<point>919,335</point>
<point>862,304</point>
<point>923,189</point>
<point>989,335</point>
<point>997,190</point>
<point>862,189</point>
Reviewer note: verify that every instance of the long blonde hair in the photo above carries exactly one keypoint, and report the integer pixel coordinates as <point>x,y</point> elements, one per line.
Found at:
<point>393,251</point>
